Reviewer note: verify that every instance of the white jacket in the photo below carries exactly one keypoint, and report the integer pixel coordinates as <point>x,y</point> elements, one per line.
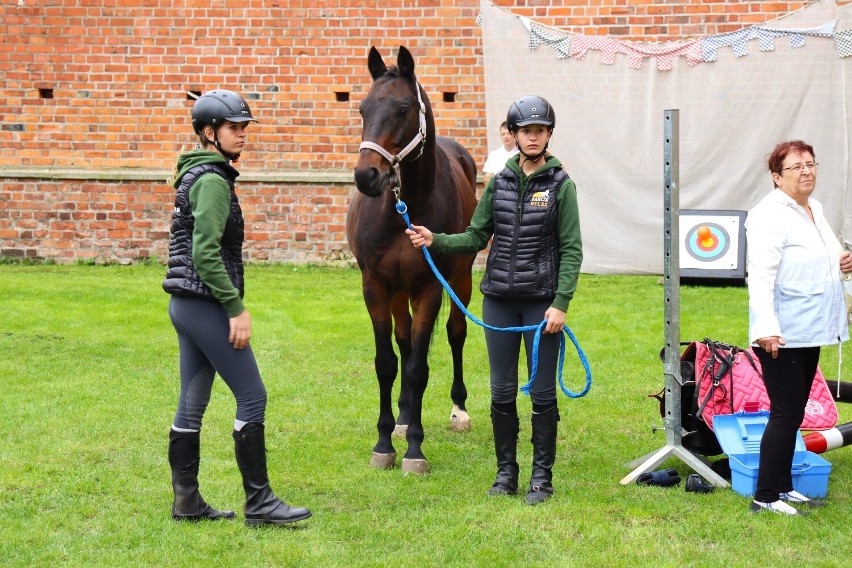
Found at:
<point>794,284</point>
<point>496,160</point>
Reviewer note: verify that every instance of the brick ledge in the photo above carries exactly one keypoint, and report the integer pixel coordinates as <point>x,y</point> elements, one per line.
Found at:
<point>152,174</point>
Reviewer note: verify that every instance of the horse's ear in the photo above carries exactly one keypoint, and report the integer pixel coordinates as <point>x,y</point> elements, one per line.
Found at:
<point>375,64</point>
<point>405,63</point>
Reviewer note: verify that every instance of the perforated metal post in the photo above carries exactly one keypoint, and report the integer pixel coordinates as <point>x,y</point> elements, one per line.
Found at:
<point>671,309</point>
<point>671,275</point>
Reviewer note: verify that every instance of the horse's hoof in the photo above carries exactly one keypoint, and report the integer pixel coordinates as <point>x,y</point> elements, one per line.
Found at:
<point>418,466</point>
<point>400,430</point>
<point>383,461</point>
<point>459,420</point>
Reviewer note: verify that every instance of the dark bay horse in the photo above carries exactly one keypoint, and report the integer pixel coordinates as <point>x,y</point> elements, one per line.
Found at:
<point>401,159</point>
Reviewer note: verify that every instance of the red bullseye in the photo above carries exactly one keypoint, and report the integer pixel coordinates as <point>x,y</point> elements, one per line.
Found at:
<point>706,239</point>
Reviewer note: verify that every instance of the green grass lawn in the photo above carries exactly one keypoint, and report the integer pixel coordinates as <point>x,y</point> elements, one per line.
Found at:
<point>89,388</point>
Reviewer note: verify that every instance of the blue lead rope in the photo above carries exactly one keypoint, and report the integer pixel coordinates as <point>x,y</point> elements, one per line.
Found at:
<point>402,209</point>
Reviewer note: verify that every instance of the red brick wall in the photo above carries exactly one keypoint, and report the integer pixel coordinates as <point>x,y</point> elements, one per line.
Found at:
<point>126,221</point>
<point>99,90</point>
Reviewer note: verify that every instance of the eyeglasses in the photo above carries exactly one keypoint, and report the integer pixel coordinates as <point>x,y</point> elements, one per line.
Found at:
<point>797,169</point>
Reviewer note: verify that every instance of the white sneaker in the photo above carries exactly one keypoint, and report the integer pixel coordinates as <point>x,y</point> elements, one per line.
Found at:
<point>796,497</point>
<point>779,507</point>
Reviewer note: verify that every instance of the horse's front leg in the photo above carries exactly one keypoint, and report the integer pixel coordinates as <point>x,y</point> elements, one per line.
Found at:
<point>402,334</point>
<point>456,336</point>
<point>415,373</point>
<point>386,364</point>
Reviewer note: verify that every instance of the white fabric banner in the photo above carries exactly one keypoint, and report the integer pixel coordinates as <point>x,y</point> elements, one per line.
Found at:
<point>781,80</point>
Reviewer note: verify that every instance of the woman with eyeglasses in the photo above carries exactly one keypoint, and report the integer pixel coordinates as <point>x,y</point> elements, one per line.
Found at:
<point>530,209</point>
<point>796,305</point>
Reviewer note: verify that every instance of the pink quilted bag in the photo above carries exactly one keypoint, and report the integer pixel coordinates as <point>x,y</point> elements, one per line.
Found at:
<point>729,380</point>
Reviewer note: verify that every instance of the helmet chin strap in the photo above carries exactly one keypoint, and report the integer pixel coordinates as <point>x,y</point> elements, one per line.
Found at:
<point>230,157</point>
<point>218,145</point>
<point>535,158</point>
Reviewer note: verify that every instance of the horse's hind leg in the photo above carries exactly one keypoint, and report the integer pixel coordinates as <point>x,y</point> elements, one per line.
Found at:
<point>402,334</point>
<point>456,335</point>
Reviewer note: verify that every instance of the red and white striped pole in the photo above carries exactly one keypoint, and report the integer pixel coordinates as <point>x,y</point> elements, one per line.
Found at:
<point>824,440</point>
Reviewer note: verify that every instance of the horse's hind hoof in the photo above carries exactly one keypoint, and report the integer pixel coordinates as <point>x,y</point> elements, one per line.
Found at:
<point>383,461</point>
<point>418,466</point>
<point>459,420</point>
<point>400,430</point>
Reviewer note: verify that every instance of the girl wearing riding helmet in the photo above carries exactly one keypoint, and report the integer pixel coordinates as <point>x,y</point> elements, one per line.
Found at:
<point>205,280</point>
<point>530,208</point>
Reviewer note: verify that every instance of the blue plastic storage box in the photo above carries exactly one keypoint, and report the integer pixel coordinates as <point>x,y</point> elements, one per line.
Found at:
<point>739,435</point>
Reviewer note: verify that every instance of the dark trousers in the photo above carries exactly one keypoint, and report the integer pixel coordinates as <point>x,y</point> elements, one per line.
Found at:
<point>788,381</point>
<point>203,327</point>
<point>504,350</point>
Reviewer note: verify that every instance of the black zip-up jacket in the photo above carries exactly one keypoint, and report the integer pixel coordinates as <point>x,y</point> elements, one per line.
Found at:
<point>182,278</point>
<point>524,257</point>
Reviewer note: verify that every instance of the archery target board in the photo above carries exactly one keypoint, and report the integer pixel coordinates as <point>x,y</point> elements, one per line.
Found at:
<point>712,243</point>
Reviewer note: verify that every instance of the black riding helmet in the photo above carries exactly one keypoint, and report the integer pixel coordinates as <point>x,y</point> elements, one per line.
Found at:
<point>216,106</point>
<point>528,110</point>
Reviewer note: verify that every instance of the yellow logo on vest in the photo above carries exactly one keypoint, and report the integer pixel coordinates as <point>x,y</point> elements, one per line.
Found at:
<point>540,199</point>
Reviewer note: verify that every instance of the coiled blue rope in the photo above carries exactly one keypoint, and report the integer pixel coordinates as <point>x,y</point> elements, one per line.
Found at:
<point>402,209</point>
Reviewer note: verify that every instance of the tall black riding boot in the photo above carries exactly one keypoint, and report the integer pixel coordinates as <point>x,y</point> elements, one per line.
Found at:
<point>262,506</point>
<point>544,454</point>
<point>184,456</point>
<point>505,425</point>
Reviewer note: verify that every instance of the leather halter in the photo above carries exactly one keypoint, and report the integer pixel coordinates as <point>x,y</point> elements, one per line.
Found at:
<point>419,138</point>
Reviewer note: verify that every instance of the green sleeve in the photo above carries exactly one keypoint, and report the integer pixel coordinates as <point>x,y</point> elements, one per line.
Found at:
<point>570,245</point>
<point>477,235</point>
<point>210,198</point>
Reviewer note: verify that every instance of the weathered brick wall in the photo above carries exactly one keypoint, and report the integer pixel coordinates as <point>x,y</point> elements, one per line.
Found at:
<point>126,221</point>
<point>94,105</point>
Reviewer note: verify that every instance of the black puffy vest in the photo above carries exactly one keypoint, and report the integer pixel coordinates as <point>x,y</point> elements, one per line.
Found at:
<point>524,258</point>
<point>181,276</point>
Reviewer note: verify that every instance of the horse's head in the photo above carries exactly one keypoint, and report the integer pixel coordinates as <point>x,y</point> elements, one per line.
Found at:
<point>394,122</point>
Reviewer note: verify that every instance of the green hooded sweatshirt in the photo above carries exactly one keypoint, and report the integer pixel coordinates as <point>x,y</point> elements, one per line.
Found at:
<point>210,198</point>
